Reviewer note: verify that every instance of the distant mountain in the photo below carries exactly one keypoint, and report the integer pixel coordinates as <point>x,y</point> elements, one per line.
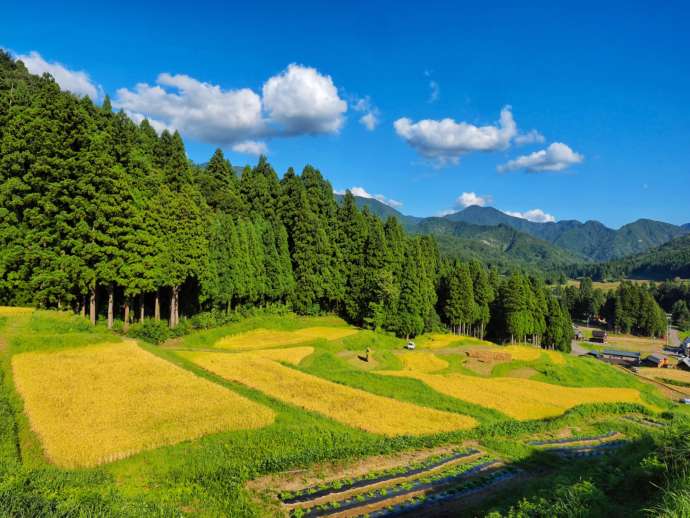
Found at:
<point>667,261</point>
<point>499,245</point>
<point>383,211</point>
<point>687,225</point>
<point>495,237</point>
<point>590,239</point>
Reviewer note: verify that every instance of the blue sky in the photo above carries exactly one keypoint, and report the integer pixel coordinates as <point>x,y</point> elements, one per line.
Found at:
<point>596,118</point>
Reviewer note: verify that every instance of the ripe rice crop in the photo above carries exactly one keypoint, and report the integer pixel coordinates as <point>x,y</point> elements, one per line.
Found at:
<point>263,338</point>
<point>350,406</point>
<point>422,361</point>
<point>521,399</point>
<point>440,340</point>
<point>489,355</point>
<point>292,355</point>
<point>7,311</point>
<point>523,353</point>
<point>101,403</point>
<point>672,374</point>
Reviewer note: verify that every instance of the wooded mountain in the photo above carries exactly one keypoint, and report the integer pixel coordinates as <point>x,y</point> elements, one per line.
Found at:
<point>667,261</point>
<point>588,241</point>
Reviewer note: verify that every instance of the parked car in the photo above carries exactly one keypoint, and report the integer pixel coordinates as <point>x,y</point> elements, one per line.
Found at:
<point>410,345</point>
<point>685,401</point>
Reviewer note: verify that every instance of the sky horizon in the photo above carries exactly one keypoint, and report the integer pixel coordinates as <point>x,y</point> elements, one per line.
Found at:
<point>544,113</point>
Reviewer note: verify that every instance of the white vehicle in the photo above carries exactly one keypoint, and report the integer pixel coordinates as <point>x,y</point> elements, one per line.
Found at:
<point>685,401</point>
<point>410,345</point>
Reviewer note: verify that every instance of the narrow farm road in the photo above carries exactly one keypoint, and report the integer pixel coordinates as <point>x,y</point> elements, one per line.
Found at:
<point>576,349</point>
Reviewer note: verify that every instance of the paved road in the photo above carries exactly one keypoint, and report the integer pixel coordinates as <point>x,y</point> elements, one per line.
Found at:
<point>576,349</point>
<point>674,337</point>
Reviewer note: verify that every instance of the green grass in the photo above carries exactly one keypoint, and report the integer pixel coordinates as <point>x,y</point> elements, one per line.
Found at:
<point>206,477</point>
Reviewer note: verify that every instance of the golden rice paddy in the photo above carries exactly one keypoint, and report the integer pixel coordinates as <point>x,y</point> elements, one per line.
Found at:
<point>668,374</point>
<point>110,401</point>
<point>7,311</point>
<point>293,355</point>
<point>422,361</point>
<point>441,340</point>
<point>350,406</point>
<point>521,399</point>
<point>264,338</point>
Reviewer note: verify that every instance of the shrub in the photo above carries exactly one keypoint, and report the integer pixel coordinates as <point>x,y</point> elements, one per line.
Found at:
<point>152,331</point>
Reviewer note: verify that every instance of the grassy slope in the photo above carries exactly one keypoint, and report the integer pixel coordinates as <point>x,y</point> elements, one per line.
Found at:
<point>206,476</point>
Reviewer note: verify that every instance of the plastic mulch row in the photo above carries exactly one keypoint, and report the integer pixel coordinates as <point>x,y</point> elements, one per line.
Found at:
<point>358,501</point>
<point>593,451</point>
<point>643,420</point>
<point>445,496</point>
<point>319,493</point>
<point>572,439</point>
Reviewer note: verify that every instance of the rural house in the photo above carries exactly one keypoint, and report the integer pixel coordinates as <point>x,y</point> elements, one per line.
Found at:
<point>656,360</point>
<point>620,357</point>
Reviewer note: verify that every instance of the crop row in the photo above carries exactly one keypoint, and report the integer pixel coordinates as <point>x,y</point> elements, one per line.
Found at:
<point>376,477</point>
<point>588,451</point>
<point>644,421</point>
<point>436,480</point>
<point>469,488</point>
<point>573,439</point>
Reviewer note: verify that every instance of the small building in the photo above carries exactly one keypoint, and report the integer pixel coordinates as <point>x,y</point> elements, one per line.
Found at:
<point>656,360</point>
<point>620,357</point>
<point>600,336</point>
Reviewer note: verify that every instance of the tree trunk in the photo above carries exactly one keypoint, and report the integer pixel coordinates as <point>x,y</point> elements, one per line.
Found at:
<point>157,307</point>
<point>83,307</point>
<point>111,308</point>
<point>142,307</point>
<point>174,307</point>
<point>92,305</point>
<point>125,326</point>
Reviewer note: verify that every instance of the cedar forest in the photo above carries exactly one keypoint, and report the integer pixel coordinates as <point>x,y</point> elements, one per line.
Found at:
<point>108,218</point>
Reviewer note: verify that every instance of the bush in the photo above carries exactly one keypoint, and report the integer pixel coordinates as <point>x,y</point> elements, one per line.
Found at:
<point>152,331</point>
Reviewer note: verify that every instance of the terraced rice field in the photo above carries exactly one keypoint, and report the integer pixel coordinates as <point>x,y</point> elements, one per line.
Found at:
<point>521,399</point>
<point>669,376</point>
<point>108,402</point>
<point>264,338</point>
<point>530,354</point>
<point>6,311</point>
<point>422,361</point>
<point>440,340</point>
<point>352,407</point>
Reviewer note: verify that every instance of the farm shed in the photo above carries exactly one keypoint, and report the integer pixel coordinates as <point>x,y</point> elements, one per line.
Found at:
<point>656,360</point>
<point>599,336</point>
<point>621,357</point>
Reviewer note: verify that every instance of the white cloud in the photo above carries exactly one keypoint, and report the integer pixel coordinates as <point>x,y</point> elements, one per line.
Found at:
<point>446,212</point>
<point>531,137</point>
<point>536,215</point>
<point>297,101</point>
<point>466,199</point>
<point>155,124</point>
<point>435,91</point>
<point>304,101</point>
<point>198,110</point>
<point>369,121</point>
<point>362,193</point>
<point>371,118</point>
<point>556,157</point>
<point>251,147</point>
<point>446,140</point>
<point>77,82</point>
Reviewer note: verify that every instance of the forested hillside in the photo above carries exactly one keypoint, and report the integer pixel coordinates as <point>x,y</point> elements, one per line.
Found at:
<point>106,217</point>
<point>590,239</point>
<point>664,262</point>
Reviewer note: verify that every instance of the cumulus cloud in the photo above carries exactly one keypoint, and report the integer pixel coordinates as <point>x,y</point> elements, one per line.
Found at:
<point>467,199</point>
<point>531,137</point>
<point>297,101</point>
<point>251,147</point>
<point>536,215</point>
<point>362,193</point>
<point>556,157</point>
<point>446,140</point>
<point>370,119</point>
<point>77,82</point>
<point>304,101</point>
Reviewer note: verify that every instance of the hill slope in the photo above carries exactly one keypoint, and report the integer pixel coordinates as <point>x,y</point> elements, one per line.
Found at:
<point>667,261</point>
<point>590,239</point>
